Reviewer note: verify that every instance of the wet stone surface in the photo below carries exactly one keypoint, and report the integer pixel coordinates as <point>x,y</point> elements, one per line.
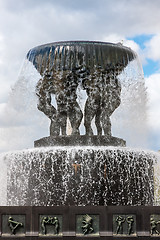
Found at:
<point>71,222</point>
<point>79,141</point>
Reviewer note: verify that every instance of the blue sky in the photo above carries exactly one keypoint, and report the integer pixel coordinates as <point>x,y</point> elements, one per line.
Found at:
<point>141,39</point>
<point>28,23</point>
<point>150,66</point>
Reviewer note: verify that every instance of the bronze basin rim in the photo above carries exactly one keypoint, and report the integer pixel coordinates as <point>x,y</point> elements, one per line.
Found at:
<point>81,43</point>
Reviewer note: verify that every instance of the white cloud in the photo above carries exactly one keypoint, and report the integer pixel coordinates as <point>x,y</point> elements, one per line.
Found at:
<point>152,48</point>
<point>113,37</point>
<point>133,45</point>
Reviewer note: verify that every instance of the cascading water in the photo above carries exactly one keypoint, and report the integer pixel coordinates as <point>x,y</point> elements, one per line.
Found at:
<point>80,176</point>
<point>88,175</point>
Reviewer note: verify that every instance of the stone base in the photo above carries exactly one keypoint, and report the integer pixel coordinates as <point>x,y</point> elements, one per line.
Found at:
<point>80,141</point>
<point>70,222</point>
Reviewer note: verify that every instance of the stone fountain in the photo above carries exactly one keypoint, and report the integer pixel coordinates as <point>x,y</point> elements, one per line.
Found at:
<point>68,168</point>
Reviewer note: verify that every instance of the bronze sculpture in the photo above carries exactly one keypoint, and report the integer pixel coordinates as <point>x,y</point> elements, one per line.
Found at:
<point>93,66</point>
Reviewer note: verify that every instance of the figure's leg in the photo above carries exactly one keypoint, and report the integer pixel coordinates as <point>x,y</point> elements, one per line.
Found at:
<point>98,122</point>
<point>106,123</point>
<point>43,228</point>
<point>61,117</point>
<point>44,105</point>
<point>129,230</point>
<point>89,113</point>
<point>121,229</point>
<point>91,229</point>
<point>54,127</point>
<point>75,117</point>
<point>93,109</point>
<point>117,230</point>
<point>63,122</point>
